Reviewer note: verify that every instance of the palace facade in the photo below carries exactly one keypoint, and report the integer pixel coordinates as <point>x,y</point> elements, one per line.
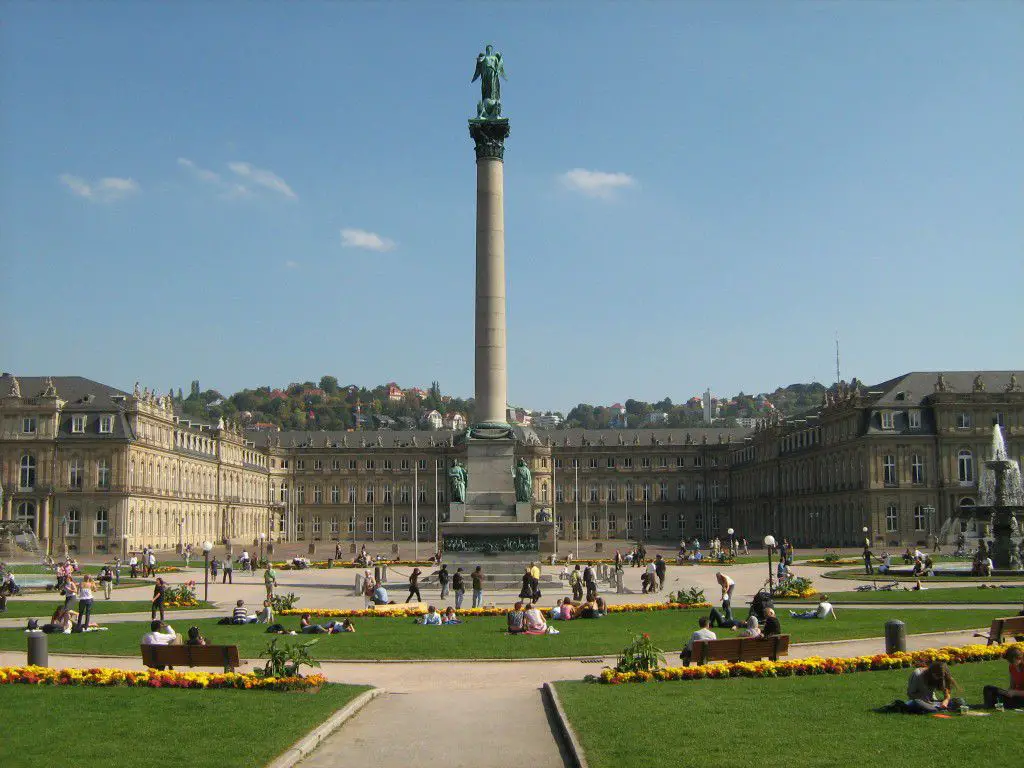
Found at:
<point>103,470</point>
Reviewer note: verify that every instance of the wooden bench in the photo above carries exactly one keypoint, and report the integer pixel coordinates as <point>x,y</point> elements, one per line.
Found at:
<point>1001,629</point>
<point>739,649</point>
<point>225,656</point>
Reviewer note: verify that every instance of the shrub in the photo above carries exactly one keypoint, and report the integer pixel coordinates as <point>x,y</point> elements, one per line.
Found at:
<point>640,656</point>
<point>798,586</point>
<point>691,595</point>
<point>285,661</point>
<point>831,558</point>
<point>283,602</point>
<point>183,594</point>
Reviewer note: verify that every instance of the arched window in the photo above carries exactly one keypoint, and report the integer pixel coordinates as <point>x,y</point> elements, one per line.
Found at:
<point>27,475</point>
<point>26,513</point>
<point>965,466</point>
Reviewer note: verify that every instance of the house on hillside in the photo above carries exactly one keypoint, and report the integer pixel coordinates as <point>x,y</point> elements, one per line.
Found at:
<point>431,419</point>
<point>656,418</point>
<point>395,393</point>
<point>454,421</point>
<point>546,420</point>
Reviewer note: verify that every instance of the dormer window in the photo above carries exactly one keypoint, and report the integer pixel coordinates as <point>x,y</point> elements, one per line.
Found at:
<point>78,424</point>
<point>914,419</point>
<point>886,419</point>
<point>106,424</point>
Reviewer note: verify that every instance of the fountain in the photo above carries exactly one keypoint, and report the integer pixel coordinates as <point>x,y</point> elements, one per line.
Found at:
<point>1001,498</point>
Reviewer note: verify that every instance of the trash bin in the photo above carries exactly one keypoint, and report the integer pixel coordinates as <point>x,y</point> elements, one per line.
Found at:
<point>895,636</point>
<point>38,655</point>
<point>384,574</point>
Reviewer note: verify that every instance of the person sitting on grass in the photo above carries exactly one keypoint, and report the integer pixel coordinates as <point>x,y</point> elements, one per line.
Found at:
<point>450,617</point>
<point>924,684</point>
<point>240,615</point>
<point>433,618</point>
<point>1012,697</point>
<point>823,610</point>
<point>515,619</point>
<point>533,621</point>
<point>266,616</point>
<point>771,624</point>
<point>60,622</point>
<point>566,610</point>
<point>194,638</point>
<point>702,633</point>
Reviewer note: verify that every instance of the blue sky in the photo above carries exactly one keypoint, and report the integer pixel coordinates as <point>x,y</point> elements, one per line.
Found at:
<point>696,193</point>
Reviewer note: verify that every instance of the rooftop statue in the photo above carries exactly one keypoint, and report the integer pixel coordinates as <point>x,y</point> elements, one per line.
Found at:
<point>490,69</point>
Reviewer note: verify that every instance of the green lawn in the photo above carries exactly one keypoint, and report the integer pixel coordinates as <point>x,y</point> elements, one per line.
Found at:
<point>484,637</point>
<point>857,574</point>
<point>961,595</point>
<point>171,727</point>
<point>795,721</point>
<point>41,609</point>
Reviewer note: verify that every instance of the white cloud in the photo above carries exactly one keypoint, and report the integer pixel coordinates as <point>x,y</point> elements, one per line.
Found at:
<point>262,178</point>
<point>370,241</point>
<point>229,190</point>
<point>105,190</point>
<point>203,174</point>
<point>291,264</point>
<point>596,183</point>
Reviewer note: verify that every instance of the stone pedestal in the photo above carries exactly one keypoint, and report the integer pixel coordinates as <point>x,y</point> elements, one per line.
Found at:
<point>491,488</point>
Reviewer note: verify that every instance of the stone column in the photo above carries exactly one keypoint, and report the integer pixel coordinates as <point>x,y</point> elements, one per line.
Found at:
<point>44,523</point>
<point>491,380</point>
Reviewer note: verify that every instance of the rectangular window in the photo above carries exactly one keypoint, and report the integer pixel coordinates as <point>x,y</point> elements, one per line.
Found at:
<point>371,464</point>
<point>662,491</point>
<point>74,522</point>
<point>335,495</point>
<point>316,525</point>
<point>680,462</point>
<point>892,520</point>
<point>629,492</point>
<point>918,518</point>
<point>387,494</point>
<point>627,462</point>
<point>999,419</point>
<point>646,495</point>
<point>318,494</point>
<point>318,464</point>
<point>103,473</point>
<point>698,522</point>
<point>699,495</point>
<point>369,524</point>
<point>336,465</point>
<point>405,523</point>
<point>423,524</point>
<point>28,425</point>
<point>593,462</point>
<point>698,461</point>
<point>559,494</point>
<point>664,521</point>
<point>78,423</point>
<point>300,494</point>
<point>423,493</point>
<point>645,462</point>
<point>352,524</point>
<point>386,523</point>
<point>663,462</point>
<point>917,469</point>
<point>593,523</point>
<point>76,474</point>
<point>682,524</point>
<point>405,464</point>
<point>914,419</point>
<point>300,526</point>
<point>612,494</point>
<point>681,492</point>
<point>889,469</point>
<point>351,494</point>
<point>611,462</point>
<point>106,424</point>
<point>714,490</point>
<point>335,528</point>
<point>558,463</point>
<point>369,494</point>
<point>403,494</point>
<point>629,523</point>
<point>887,422</point>
<point>300,464</point>
<point>964,420</point>
<point>612,524</point>
<point>352,464</point>
<point>647,521</point>
<point>101,522</point>
<point>593,493</point>
<point>422,465</point>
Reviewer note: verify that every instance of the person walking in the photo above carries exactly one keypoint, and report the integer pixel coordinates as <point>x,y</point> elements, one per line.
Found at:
<point>106,579</point>
<point>158,599</point>
<point>459,587</point>
<point>117,571</point>
<point>867,555</point>
<point>478,587</point>
<point>270,581</point>
<point>443,577</point>
<point>414,586</point>
<point>151,563</point>
<point>576,583</point>
<point>227,566</point>
<point>660,569</point>
<point>188,554</point>
<point>214,567</point>
<point>85,603</point>
<point>133,564</point>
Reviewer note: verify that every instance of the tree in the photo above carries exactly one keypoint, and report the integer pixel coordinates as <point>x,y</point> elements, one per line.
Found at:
<point>329,384</point>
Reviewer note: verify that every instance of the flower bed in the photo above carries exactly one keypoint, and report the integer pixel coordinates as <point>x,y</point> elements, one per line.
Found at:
<point>167,569</point>
<point>814,665</point>
<point>152,678</point>
<point>495,611</point>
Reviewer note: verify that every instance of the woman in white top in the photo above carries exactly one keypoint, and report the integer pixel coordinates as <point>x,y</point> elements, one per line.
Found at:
<point>85,603</point>
<point>752,629</point>
<point>533,621</point>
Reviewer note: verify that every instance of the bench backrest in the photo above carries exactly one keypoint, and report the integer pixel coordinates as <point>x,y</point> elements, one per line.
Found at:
<point>1012,625</point>
<point>740,649</point>
<point>225,656</point>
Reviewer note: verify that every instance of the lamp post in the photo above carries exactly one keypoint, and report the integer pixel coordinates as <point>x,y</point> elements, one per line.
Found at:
<point>867,541</point>
<point>732,542</point>
<point>124,546</point>
<point>207,546</point>
<point>263,539</point>
<point>769,542</point>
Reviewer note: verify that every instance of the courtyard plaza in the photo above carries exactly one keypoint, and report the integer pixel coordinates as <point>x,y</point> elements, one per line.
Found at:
<point>443,711</point>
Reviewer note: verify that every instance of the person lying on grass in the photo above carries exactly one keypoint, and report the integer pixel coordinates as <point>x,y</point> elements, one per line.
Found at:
<point>432,619</point>
<point>823,610</point>
<point>1012,697</point>
<point>307,627</point>
<point>449,616</point>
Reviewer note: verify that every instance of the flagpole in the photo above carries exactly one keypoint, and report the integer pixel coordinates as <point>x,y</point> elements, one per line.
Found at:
<point>576,497</point>
<point>437,513</point>
<point>416,509</point>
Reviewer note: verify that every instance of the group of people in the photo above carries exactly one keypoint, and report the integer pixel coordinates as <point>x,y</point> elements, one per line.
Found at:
<point>452,582</point>
<point>433,618</point>
<point>930,689</point>
<point>147,561</point>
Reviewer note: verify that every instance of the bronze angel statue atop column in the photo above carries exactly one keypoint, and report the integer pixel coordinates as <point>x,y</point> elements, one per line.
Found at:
<point>490,70</point>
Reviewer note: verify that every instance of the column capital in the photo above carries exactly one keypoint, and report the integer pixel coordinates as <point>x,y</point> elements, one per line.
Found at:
<point>489,136</point>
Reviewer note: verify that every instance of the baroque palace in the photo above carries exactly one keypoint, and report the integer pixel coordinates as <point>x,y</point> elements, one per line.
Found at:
<point>102,470</point>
